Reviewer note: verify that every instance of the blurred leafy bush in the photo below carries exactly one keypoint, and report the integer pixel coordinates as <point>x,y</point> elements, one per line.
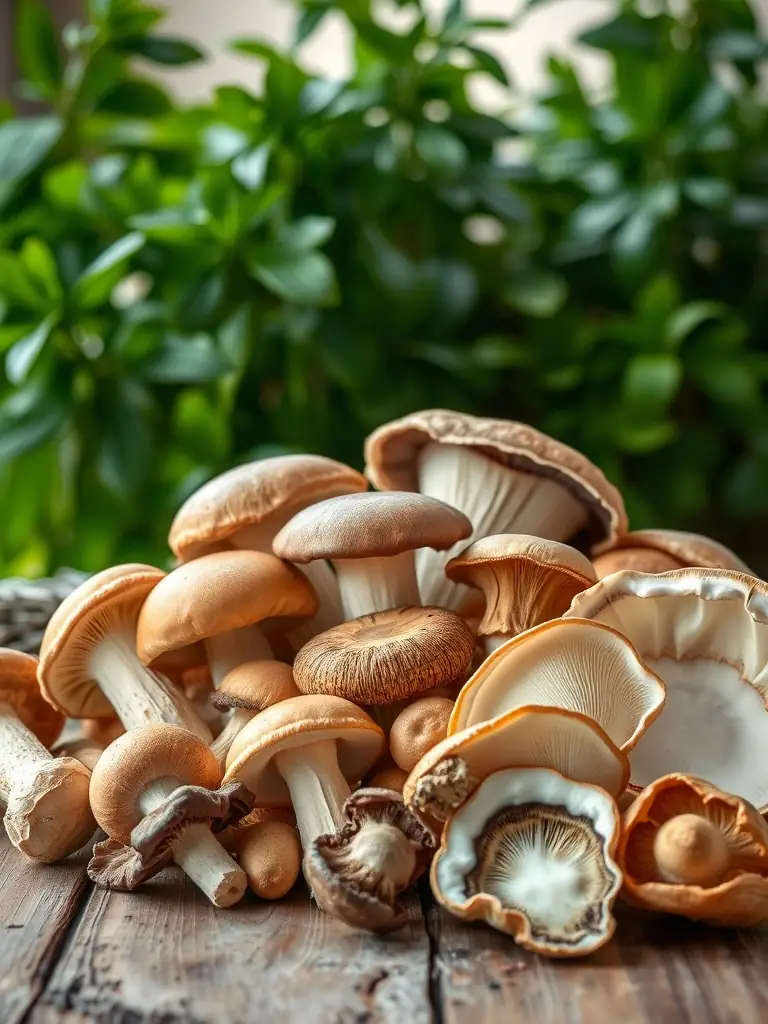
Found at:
<point>281,269</point>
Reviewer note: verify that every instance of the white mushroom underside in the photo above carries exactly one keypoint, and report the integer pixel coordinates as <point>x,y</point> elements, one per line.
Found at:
<point>20,751</point>
<point>235,647</point>
<point>496,499</point>
<point>370,585</point>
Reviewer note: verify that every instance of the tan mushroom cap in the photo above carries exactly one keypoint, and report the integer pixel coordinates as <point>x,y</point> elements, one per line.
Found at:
<point>137,759</point>
<point>255,685</point>
<point>370,525</point>
<point>248,495</point>
<point>663,550</point>
<point>85,617</point>
<point>526,580</point>
<point>270,854</point>
<point>299,722</point>
<point>386,657</point>
<point>217,593</point>
<point>418,728</point>
<point>20,691</point>
<point>391,454</point>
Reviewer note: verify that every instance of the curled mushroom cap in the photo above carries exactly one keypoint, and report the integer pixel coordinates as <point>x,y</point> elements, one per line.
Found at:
<point>657,551</point>
<point>525,581</point>
<point>688,848</point>
<point>387,657</point>
<point>506,477</point>
<point>270,854</point>
<point>567,663</point>
<point>705,633</point>
<point>418,728</point>
<point>532,854</point>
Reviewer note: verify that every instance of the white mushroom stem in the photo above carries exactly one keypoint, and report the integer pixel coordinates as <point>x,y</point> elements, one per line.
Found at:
<point>317,786</point>
<point>496,499</point>
<point>21,753</point>
<point>228,650</point>
<point>197,852</point>
<point>139,695</point>
<point>239,718</point>
<point>370,585</point>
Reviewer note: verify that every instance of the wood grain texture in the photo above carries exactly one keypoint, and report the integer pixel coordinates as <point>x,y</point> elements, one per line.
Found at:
<point>164,954</point>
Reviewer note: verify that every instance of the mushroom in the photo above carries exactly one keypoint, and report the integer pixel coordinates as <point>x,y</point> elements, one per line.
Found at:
<point>47,815</point>
<point>531,853</point>
<point>688,848</point>
<point>88,663</point>
<point>154,792</point>
<point>221,599</point>
<point>270,854</point>
<point>418,728</point>
<point>506,477</point>
<point>248,689</point>
<point>657,551</point>
<point>84,750</point>
<point>525,581</point>
<point>393,778</point>
<point>705,633</point>
<point>567,663</point>
<point>371,540</point>
<point>246,506</point>
<point>102,730</point>
<point>387,657</point>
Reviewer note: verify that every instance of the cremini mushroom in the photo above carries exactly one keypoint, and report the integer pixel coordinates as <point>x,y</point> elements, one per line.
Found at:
<point>525,581</point>
<point>532,853</point>
<point>657,551</point>
<point>45,798</point>
<point>567,663</point>
<point>155,793</point>
<point>269,852</point>
<point>248,689</point>
<point>383,658</point>
<point>705,633</point>
<point>88,662</point>
<point>371,539</point>
<point>419,727</point>
<point>220,599</point>
<point>688,848</point>
<point>506,477</point>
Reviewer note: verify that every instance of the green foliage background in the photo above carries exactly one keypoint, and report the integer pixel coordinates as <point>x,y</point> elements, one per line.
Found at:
<point>181,289</point>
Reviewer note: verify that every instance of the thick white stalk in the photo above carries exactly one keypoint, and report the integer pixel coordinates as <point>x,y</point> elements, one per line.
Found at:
<point>371,585</point>
<point>139,695</point>
<point>197,852</point>
<point>21,752</point>
<point>239,718</point>
<point>228,650</point>
<point>317,786</point>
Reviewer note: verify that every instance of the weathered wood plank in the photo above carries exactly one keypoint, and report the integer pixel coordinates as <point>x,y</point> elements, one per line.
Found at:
<point>38,903</point>
<point>656,969</point>
<point>165,955</point>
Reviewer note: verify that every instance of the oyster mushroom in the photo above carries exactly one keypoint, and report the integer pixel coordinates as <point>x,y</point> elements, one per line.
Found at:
<point>705,633</point>
<point>248,689</point>
<point>371,540</point>
<point>525,581</point>
<point>47,815</point>
<point>505,477</point>
<point>418,728</point>
<point>687,848</point>
<point>657,551</point>
<point>270,854</point>
<point>155,793</point>
<point>567,663</point>
<point>88,663</point>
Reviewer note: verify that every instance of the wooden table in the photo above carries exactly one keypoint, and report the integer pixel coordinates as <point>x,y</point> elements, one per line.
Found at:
<point>74,954</point>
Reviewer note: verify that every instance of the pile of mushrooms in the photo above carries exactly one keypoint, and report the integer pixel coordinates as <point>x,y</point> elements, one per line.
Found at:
<point>474,673</point>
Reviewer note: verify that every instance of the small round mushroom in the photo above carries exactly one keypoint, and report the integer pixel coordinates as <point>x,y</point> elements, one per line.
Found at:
<point>371,540</point>
<point>220,599</point>
<point>525,581</point>
<point>248,689</point>
<point>690,850</point>
<point>656,551</point>
<point>47,815</point>
<point>102,730</point>
<point>383,658</point>
<point>88,663</point>
<point>393,778</point>
<point>154,792</point>
<point>417,729</point>
<point>532,854</point>
<point>270,854</point>
<point>505,477</point>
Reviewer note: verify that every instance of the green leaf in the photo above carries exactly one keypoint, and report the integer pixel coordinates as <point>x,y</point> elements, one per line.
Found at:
<point>750,211</point>
<point>487,62</point>
<point>40,262</point>
<point>22,357</point>
<point>96,282</point>
<point>440,149</point>
<point>173,226</point>
<point>17,285</point>
<point>250,168</point>
<point>596,217</point>
<point>184,360</point>
<point>651,382</point>
<point>24,144</point>
<point>308,22</point>
<point>307,233</point>
<point>304,278</point>
<point>711,193</point>
<point>124,454</point>
<point>539,293</point>
<point>454,13</point>
<point>166,50</point>
<point>27,419</point>
<point>625,32</point>
<point>37,48</point>
<point>686,319</point>
<point>737,46</point>
<point>644,438</point>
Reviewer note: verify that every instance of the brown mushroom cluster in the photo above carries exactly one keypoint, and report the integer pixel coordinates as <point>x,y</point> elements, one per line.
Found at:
<point>474,672</point>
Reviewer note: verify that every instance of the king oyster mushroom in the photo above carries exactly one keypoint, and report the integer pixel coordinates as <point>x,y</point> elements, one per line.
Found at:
<point>531,853</point>
<point>705,633</point>
<point>662,550</point>
<point>505,477</point>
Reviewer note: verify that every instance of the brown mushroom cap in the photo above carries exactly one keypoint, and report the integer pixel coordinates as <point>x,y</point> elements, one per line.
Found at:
<point>270,854</point>
<point>20,691</point>
<point>391,454</point>
<point>102,730</point>
<point>295,723</point>
<point>137,759</point>
<point>255,685</point>
<point>672,549</point>
<point>418,728</point>
<point>248,495</point>
<point>634,559</point>
<point>84,618</point>
<point>386,657</point>
<point>217,593</point>
<point>370,525</point>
